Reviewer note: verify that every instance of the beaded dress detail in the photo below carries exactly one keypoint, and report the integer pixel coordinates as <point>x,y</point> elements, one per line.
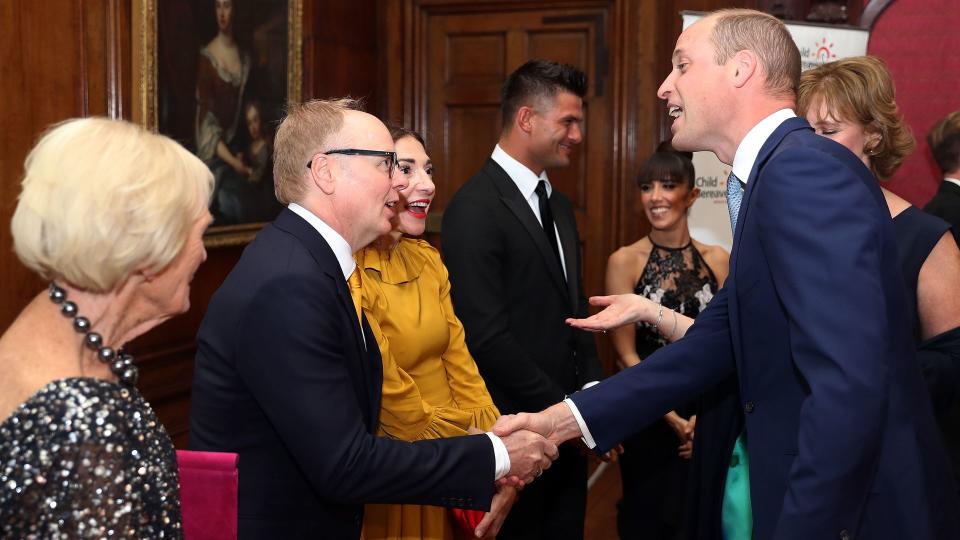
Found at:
<point>87,458</point>
<point>679,279</point>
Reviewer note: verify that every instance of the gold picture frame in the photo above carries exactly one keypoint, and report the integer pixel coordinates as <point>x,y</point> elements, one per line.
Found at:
<point>146,68</point>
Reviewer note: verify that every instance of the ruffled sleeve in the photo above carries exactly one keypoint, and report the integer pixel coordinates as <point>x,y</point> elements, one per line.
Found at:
<point>404,414</point>
<point>469,390</point>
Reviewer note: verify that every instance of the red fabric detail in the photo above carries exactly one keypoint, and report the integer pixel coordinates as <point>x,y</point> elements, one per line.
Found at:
<point>467,519</point>
<point>208,494</point>
<point>918,41</point>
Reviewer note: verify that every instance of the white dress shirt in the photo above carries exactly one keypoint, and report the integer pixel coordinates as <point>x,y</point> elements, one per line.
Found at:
<point>526,182</point>
<point>750,146</point>
<point>344,254</point>
<point>954,181</point>
<point>743,162</point>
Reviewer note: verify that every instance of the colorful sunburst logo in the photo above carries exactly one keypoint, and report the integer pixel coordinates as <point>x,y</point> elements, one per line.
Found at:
<point>824,51</point>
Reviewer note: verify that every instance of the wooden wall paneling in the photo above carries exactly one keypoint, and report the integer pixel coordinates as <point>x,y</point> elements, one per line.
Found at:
<point>41,84</point>
<point>344,51</point>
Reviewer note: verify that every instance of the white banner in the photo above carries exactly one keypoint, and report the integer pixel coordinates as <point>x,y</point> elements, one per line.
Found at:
<point>709,220</point>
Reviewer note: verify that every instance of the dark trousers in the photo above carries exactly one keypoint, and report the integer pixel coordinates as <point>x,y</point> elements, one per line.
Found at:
<point>553,506</point>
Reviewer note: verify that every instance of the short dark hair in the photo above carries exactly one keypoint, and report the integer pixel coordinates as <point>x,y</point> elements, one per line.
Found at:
<point>538,79</point>
<point>947,153</point>
<point>668,163</point>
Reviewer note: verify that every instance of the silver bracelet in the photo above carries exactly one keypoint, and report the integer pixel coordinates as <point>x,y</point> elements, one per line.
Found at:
<point>670,337</point>
<point>659,317</point>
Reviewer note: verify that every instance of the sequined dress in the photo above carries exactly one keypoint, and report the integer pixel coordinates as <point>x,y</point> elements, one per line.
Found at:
<point>652,474</point>
<point>87,458</point>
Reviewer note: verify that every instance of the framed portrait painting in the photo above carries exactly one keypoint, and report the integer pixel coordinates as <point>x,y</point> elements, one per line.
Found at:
<point>216,75</point>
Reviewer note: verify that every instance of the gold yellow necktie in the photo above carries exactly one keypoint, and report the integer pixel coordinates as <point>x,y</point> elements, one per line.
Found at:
<point>356,291</point>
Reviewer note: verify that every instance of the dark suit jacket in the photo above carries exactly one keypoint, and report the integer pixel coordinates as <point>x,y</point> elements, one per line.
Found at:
<point>282,378</point>
<point>946,205</point>
<point>813,320</point>
<point>509,290</point>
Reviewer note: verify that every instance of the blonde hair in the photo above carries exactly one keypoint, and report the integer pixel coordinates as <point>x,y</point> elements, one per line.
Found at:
<point>303,132</point>
<point>103,198</point>
<point>860,89</point>
<point>745,29</point>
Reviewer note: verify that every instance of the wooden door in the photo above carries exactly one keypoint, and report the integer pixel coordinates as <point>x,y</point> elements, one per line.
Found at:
<point>459,54</point>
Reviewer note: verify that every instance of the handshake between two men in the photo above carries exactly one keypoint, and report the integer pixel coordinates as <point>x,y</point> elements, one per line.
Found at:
<point>531,442</point>
<point>544,430</point>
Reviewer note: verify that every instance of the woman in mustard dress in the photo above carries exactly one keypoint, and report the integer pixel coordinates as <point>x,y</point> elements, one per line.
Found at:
<point>431,385</point>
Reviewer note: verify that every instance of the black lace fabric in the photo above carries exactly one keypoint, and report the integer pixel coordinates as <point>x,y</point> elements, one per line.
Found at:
<point>679,279</point>
<point>87,458</point>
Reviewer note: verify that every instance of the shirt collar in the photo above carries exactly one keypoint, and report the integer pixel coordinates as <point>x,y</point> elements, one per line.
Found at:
<point>951,180</point>
<point>524,178</point>
<point>750,146</point>
<point>341,249</point>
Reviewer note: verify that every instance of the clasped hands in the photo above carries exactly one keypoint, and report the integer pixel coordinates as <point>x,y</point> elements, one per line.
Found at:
<point>533,438</point>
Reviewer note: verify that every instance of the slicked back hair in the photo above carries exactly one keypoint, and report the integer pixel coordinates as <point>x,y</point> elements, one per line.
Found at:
<point>537,80</point>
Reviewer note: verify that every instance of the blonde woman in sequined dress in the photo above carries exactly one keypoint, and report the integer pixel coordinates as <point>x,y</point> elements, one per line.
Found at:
<point>113,216</point>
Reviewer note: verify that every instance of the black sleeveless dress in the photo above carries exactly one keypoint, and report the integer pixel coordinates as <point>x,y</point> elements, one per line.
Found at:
<point>720,418</point>
<point>652,474</point>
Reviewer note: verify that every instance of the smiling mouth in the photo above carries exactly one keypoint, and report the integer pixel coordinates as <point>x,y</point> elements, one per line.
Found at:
<point>674,111</point>
<point>659,211</point>
<point>418,208</point>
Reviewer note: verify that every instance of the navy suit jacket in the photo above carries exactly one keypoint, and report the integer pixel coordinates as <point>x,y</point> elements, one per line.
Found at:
<point>813,320</point>
<point>283,378</point>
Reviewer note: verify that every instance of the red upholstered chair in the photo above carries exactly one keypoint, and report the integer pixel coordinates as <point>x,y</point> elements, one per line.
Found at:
<point>208,494</point>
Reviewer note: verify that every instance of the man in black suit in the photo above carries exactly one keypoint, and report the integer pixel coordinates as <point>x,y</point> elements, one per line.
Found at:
<point>511,244</point>
<point>944,139</point>
<point>289,376</point>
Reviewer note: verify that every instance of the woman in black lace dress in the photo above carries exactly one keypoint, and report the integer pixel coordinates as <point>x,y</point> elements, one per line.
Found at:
<point>114,217</point>
<point>678,273</point>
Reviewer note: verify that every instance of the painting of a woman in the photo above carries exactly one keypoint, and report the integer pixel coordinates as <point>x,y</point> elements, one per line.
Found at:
<point>222,74</point>
<point>223,83</point>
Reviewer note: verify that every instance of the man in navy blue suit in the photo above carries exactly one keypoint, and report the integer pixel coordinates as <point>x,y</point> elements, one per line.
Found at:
<point>839,433</point>
<point>288,374</point>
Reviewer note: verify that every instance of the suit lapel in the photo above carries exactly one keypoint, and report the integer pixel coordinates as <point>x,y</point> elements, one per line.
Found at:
<point>569,240</point>
<point>327,261</point>
<point>772,142</point>
<point>513,199</point>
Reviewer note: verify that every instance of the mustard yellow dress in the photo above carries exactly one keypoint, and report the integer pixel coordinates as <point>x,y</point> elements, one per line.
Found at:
<point>431,385</point>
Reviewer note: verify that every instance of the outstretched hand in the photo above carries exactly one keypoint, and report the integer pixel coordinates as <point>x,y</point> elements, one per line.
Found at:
<point>619,310</point>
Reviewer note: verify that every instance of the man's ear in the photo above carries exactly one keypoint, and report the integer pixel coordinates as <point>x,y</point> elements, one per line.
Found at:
<point>524,119</point>
<point>745,66</point>
<point>321,173</point>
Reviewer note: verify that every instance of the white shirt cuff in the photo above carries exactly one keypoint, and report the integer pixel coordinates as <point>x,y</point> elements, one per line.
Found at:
<point>501,457</point>
<point>589,384</point>
<point>586,437</point>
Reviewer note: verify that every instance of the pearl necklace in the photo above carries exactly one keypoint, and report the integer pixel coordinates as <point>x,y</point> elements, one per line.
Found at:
<point>121,363</point>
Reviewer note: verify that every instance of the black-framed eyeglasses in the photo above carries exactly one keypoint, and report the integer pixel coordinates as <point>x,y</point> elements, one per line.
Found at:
<point>388,164</point>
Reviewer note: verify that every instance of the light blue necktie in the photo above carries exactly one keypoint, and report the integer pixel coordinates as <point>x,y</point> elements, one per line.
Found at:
<point>734,198</point>
<point>737,513</point>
